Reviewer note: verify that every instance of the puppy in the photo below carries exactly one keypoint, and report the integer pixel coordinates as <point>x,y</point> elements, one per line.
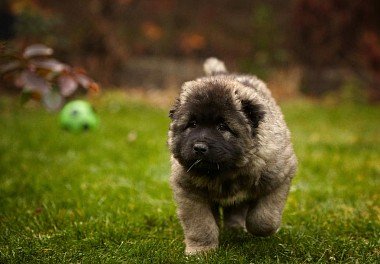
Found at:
<point>230,149</point>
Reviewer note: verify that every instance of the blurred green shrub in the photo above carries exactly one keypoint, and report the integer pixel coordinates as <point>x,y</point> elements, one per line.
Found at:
<point>30,24</point>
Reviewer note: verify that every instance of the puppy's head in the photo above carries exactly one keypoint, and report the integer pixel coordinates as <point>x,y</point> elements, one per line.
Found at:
<point>213,129</point>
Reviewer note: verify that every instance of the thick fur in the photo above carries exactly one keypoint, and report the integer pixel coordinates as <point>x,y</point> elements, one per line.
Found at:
<point>230,148</point>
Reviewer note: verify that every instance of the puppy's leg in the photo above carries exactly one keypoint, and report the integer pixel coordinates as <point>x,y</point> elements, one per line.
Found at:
<point>199,225</point>
<point>264,214</point>
<point>234,216</point>
<point>216,214</point>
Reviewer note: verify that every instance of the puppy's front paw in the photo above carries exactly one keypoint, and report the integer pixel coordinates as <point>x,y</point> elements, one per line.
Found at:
<point>194,250</point>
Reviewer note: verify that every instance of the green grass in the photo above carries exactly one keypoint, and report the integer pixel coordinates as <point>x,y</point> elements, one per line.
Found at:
<point>103,196</point>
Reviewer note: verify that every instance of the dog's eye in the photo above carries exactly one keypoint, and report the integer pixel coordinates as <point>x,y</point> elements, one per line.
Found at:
<point>192,124</point>
<point>222,127</point>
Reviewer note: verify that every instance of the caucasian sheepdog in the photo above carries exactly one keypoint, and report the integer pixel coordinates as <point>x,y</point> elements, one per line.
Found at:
<point>231,149</point>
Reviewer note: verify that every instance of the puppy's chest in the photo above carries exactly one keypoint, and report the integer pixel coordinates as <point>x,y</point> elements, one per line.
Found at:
<point>230,191</point>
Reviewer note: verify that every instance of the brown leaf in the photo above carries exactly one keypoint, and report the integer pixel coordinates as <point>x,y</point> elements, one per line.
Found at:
<point>83,80</point>
<point>11,66</point>
<point>94,87</point>
<point>30,81</point>
<point>50,64</point>
<point>37,50</point>
<point>79,70</point>
<point>67,85</point>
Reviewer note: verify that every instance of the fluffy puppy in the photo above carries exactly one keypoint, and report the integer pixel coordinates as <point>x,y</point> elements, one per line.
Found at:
<point>231,149</point>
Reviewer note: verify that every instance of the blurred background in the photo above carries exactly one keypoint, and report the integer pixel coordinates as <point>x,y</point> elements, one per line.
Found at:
<point>300,47</point>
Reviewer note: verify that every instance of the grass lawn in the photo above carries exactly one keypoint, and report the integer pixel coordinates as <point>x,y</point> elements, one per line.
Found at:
<point>103,196</point>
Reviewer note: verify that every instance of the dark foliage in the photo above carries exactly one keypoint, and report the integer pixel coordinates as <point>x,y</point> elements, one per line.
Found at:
<point>103,35</point>
<point>338,33</point>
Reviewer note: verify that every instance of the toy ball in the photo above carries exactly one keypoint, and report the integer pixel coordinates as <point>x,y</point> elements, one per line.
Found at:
<point>78,116</point>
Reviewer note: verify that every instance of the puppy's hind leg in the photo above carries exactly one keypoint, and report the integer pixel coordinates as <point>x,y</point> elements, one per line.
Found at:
<point>264,214</point>
<point>234,216</point>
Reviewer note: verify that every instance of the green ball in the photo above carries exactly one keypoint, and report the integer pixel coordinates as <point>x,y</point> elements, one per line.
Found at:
<point>78,116</point>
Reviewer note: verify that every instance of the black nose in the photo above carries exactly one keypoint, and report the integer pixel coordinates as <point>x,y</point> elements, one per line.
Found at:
<point>200,148</point>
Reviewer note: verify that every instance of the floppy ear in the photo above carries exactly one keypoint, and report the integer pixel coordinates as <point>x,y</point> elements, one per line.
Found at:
<point>254,112</point>
<point>174,109</point>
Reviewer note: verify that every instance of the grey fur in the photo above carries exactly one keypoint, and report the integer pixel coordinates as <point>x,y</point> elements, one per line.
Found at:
<point>254,193</point>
